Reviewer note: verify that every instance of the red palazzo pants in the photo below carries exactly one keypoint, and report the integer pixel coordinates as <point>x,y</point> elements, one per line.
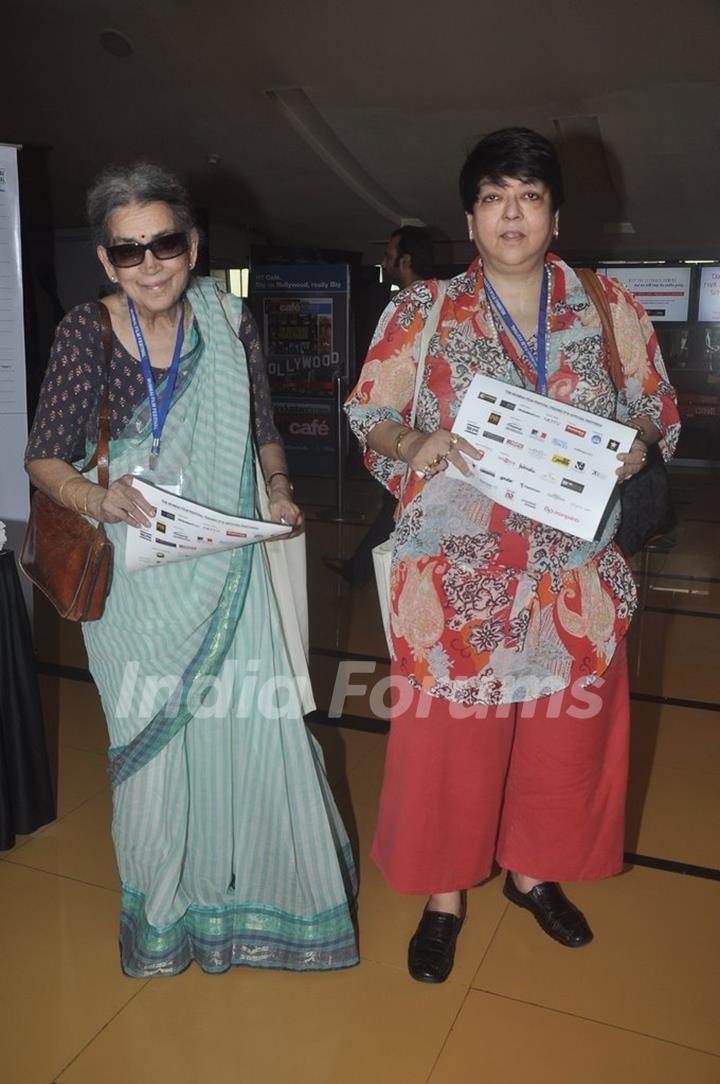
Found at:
<point>539,786</point>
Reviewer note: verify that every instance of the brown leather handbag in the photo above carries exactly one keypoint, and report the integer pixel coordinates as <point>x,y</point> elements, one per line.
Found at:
<point>67,558</point>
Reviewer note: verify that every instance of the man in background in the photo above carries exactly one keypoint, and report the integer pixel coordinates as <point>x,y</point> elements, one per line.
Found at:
<point>408,259</point>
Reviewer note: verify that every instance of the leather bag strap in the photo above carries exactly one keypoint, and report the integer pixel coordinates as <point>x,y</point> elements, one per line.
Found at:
<point>427,333</point>
<point>596,294</point>
<point>101,455</point>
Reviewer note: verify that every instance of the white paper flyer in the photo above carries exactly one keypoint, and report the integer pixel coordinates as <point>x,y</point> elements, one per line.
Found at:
<point>547,460</point>
<point>183,529</point>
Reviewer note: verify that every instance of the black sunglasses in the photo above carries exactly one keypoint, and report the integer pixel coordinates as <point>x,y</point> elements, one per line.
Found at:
<point>132,253</point>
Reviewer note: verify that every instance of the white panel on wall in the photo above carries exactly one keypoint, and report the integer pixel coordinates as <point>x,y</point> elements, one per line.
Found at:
<point>14,490</point>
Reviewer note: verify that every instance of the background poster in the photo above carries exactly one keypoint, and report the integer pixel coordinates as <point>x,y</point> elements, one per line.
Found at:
<point>298,332</point>
<point>302,313</point>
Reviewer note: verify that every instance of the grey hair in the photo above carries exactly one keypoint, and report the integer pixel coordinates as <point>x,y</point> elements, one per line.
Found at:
<point>140,183</point>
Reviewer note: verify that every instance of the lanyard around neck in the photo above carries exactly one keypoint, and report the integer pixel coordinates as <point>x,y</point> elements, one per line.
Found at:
<point>537,360</point>
<point>158,411</point>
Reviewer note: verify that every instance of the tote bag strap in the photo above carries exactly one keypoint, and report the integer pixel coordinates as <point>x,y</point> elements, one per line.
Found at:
<point>428,331</point>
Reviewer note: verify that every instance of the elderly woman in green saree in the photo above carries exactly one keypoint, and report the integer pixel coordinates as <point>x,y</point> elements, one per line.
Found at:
<point>229,844</point>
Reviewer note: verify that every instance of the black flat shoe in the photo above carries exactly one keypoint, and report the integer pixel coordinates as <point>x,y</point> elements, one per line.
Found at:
<point>553,911</point>
<point>431,952</point>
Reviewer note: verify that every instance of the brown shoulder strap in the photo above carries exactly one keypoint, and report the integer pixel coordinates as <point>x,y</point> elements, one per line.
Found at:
<point>101,455</point>
<point>596,294</point>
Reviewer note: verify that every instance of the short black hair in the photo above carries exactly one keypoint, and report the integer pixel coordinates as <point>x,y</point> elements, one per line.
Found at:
<point>520,153</point>
<point>415,242</point>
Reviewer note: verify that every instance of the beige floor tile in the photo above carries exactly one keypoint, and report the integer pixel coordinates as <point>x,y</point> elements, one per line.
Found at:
<point>652,968</point>
<point>680,594</point>
<point>696,552</point>
<point>78,846</point>
<point>82,722</point>
<point>346,750</point>
<point>61,977</point>
<point>56,641</point>
<point>371,1023</point>
<point>354,762</point>
<point>675,655</point>
<point>495,1039</point>
<point>333,678</point>
<point>674,814</point>
<point>668,736</point>
<point>81,776</point>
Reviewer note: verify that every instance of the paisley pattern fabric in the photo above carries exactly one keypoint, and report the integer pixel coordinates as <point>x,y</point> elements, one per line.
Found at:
<point>489,606</point>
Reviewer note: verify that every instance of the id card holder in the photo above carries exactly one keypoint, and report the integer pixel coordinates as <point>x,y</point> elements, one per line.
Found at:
<point>171,479</point>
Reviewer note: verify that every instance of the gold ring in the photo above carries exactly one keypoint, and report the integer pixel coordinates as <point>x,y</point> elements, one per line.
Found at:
<point>454,438</point>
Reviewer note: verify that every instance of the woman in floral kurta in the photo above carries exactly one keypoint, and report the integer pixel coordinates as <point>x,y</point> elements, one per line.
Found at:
<point>489,608</point>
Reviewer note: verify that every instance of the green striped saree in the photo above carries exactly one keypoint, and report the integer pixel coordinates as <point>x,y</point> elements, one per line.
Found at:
<point>230,848</point>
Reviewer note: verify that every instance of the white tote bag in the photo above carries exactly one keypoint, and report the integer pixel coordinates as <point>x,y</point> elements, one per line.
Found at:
<point>383,554</point>
<point>285,562</point>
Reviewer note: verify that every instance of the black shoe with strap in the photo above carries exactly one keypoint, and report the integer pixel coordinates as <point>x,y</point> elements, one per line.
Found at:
<point>553,911</point>
<point>431,952</point>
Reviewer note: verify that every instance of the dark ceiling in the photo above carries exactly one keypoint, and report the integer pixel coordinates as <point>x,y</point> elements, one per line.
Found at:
<point>631,91</point>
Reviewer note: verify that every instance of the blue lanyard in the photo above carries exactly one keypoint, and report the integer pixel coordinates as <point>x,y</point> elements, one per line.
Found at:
<point>158,411</point>
<point>539,360</point>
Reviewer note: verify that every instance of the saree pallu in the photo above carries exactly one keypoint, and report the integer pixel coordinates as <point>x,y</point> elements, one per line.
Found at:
<point>230,847</point>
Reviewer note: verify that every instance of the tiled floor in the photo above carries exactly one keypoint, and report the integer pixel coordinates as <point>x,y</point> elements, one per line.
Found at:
<point>638,1006</point>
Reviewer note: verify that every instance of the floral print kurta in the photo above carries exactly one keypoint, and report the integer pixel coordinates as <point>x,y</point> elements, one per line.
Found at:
<point>488,606</point>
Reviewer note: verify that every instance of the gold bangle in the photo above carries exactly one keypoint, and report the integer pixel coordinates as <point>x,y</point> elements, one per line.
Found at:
<point>61,499</point>
<point>279,474</point>
<point>404,432</point>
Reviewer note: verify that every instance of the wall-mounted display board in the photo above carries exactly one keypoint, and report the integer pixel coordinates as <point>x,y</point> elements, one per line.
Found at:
<point>14,489</point>
<point>664,292</point>
<point>709,300</point>
<point>684,304</point>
